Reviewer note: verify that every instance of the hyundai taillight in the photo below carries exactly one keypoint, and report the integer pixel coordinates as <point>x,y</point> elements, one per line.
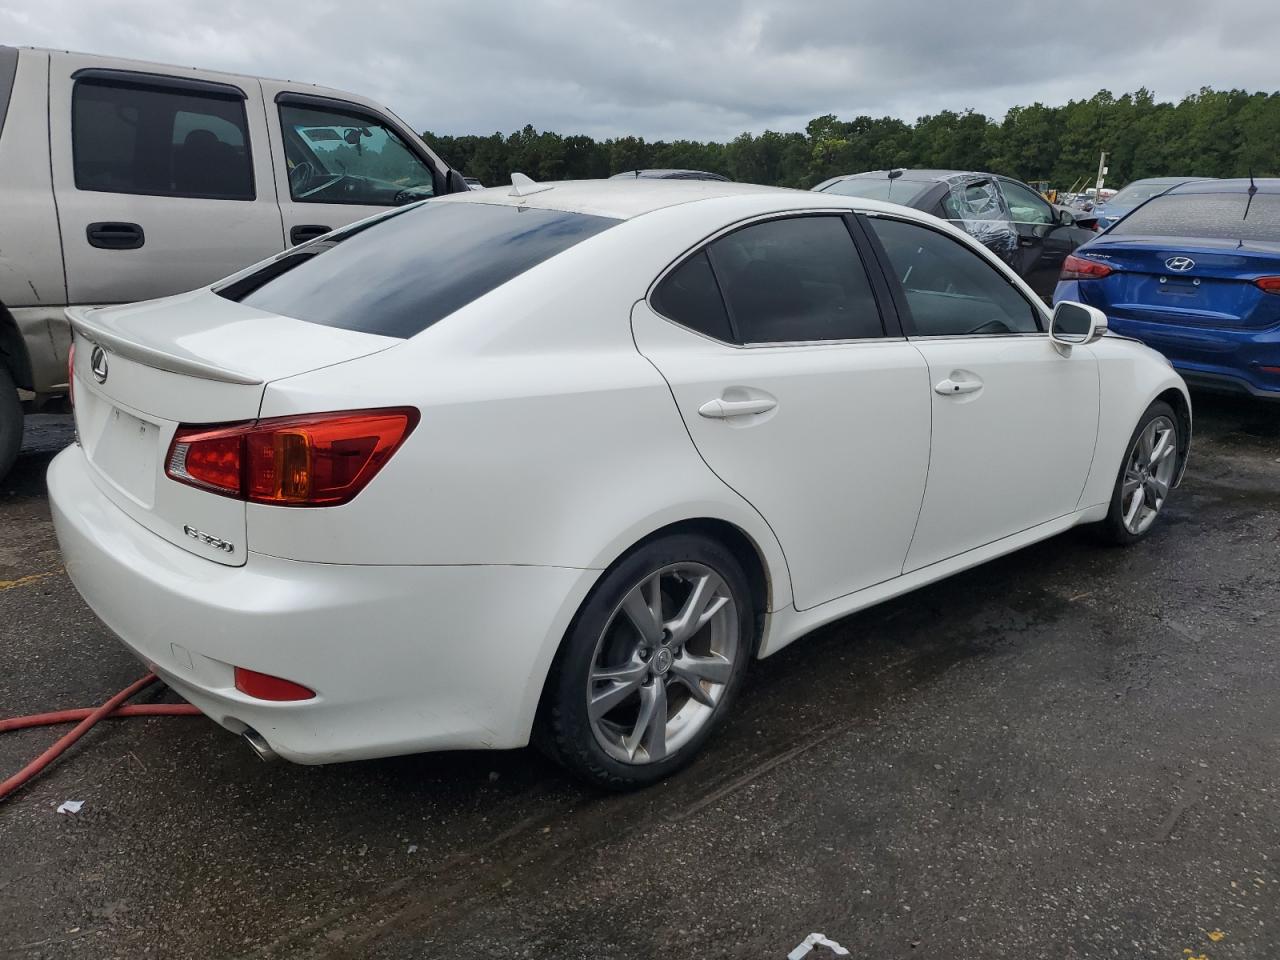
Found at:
<point>313,460</point>
<point>1078,268</point>
<point>1268,284</point>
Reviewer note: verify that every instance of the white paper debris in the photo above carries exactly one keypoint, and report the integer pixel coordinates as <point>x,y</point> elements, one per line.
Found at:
<point>816,940</point>
<point>70,806</point>
<point>413,848</point>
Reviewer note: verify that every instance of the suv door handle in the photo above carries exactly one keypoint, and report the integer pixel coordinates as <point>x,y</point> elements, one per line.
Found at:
<point>721,409</point>
<point>307,231</point>
<point>952,388</point>
<point>111,235</point>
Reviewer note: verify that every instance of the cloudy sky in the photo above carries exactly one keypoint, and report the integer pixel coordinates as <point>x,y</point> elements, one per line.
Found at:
<point>705,69</point>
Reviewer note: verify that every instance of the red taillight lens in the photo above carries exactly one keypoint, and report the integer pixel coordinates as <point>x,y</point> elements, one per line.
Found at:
<point>1268,284</point>
<point>315,460</point>
<point>1078,268</point>
<point>266,687</point>
<point>71,373</point>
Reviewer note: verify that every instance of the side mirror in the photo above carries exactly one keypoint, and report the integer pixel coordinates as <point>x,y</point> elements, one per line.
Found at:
<point>1066,218</point>
<point>1074,324</point>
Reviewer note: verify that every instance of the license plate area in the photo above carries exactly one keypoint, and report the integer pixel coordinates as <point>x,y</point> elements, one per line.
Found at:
<point>1178,287</point>
<point>125,453</point>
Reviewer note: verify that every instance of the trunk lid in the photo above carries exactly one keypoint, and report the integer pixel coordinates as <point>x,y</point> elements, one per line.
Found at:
<point>1189,282</point>
<point>144,369</point>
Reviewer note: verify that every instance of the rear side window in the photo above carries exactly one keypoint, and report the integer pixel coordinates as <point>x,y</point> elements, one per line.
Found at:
<point>170,143</point>
<point>1216,216</point>
<point>398,275</point>
<point>795,279</point>
<point>690,296</point>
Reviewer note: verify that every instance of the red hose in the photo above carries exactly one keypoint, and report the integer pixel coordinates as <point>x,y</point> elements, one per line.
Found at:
<point>87,717</point>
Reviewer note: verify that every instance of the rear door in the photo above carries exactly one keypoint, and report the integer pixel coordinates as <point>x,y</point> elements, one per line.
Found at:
<point>163,182</point>
<point>1013,421</point>
<point>796,396</point>
<point>1043,240</point>
<point>342,160</point>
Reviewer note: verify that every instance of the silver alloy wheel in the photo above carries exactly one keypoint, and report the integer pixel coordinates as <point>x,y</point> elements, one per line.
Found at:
<point>662,663</point>
<point>1148,472</point>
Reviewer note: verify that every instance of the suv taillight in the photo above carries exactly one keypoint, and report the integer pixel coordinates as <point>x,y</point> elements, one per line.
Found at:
<point>1078,268</point>
<point>313,460</point>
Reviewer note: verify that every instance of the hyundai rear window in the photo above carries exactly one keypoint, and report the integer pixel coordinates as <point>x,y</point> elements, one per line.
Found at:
<point>1213,216</point>
<point>398,275</point>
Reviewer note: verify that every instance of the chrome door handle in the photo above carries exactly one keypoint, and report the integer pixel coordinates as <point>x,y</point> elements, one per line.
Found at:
<point>721,409</point>
<point>952,388</point>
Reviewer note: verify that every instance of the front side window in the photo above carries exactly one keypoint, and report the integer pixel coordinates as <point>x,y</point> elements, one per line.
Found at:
<point>398,274</point>
<point>950,290</point>
<point>151,140</point>
<point>795,279</point>
<point>336,157</point>
<point>1025,204</point>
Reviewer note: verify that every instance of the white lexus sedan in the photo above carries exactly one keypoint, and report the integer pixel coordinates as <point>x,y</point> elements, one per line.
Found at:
<point>556,463</point>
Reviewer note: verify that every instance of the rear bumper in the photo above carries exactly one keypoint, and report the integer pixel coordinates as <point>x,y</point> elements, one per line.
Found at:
<point>402,658</point>
<point>1226,359</point>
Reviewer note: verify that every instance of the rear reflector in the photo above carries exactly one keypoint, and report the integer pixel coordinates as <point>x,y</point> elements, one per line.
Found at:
<point>1268,284</point>
<point>1078,268</point>
<point>314,460</point>
<point>263,686</point>
<point>71,373</point>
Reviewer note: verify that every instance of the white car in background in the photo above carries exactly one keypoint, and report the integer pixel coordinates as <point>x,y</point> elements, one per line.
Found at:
<point>560,461</point>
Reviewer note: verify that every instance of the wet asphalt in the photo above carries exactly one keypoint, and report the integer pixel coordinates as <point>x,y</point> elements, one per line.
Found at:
<point>1070,752</point>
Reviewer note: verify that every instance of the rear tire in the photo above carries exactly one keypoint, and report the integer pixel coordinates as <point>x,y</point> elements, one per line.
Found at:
<point>650,664</point>
<point>10,422</point>
<point>1146,476</point>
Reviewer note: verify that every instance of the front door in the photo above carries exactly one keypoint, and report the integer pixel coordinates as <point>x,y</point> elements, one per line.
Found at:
<point>1043,240</point>
<point>795,397</point>
<point>1014,421</point>
<point>343,161</point>
<point>163,183</point>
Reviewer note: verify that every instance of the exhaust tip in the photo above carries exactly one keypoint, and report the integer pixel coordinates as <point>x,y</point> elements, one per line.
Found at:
<point>258,744</point>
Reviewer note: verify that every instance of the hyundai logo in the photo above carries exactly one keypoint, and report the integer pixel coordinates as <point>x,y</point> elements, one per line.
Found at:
<point>98,364</point>
<point>1180,264</point>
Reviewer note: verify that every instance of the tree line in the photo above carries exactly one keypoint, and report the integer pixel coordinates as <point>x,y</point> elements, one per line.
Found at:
<point>1212,133</point>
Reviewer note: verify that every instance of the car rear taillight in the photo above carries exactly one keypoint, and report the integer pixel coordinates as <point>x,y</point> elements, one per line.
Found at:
<point>1078,268</point>
<point>1268,284</point>
<point>71,373</point>
<point>264,686</point>
<point>314,460</point>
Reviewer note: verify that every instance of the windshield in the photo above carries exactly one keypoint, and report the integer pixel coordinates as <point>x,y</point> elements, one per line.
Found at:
<point>1212,216</point>
<point>898,190</point>
<point>397,275</point>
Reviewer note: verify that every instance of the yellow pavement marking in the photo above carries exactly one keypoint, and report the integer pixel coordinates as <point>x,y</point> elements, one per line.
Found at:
<point>24,581</point>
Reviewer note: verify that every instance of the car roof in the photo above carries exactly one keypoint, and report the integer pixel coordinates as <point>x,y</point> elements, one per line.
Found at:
<point>1173,180</point>
<point>1236,185</point>
<point>660,173</point>
<point>624,199</point>
<point>924,176</point>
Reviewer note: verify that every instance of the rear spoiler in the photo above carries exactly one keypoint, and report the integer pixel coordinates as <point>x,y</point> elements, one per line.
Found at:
<point>82,322</point>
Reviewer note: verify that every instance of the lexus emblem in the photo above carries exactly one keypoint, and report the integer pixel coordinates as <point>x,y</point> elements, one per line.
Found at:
<point>1180,264</point>
<point>98,364</point>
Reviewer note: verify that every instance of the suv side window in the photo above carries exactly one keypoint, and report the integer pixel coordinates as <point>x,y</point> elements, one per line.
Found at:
<point>337,157</point>
<point>1025,204</point>
<point>169,143</point>
<point>950,290</point>
<point>795,279</point>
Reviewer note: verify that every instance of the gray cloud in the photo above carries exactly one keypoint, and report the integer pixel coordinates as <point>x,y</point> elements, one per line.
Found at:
<point>681,68</point>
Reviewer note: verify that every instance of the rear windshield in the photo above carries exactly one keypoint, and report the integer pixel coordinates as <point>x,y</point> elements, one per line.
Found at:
<point>1213,216</point>
<point>1135,193</point>
<point>398,275</point>
<point>897,190</point>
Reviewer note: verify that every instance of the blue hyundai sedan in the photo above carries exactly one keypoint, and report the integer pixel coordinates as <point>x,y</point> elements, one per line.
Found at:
<point>1195,274</point>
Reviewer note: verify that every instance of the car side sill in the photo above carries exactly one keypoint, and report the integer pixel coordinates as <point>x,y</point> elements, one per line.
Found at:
<point>789,624</point>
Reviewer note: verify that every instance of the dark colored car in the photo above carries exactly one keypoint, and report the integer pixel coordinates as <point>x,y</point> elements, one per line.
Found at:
<point>1195,274</point>
<point>1013,220</point>
<point>668,175</point>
